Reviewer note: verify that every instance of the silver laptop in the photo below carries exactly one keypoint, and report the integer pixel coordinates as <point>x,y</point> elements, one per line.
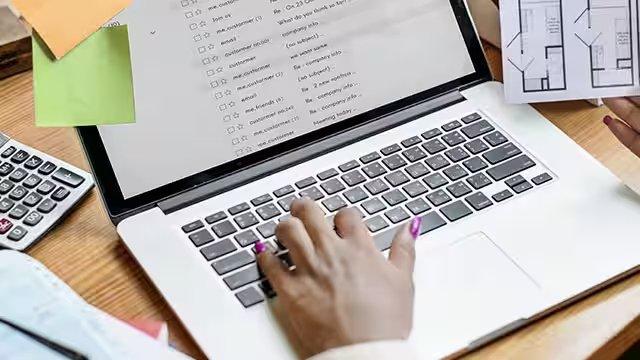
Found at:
<point>388,107</point>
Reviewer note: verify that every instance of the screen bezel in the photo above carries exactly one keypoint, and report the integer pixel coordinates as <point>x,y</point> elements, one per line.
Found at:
<point>118,206</point>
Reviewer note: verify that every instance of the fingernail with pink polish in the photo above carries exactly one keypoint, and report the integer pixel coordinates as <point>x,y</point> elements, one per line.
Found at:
<point>260,247</point>
<point>607,120</point>
<point>414,229</point>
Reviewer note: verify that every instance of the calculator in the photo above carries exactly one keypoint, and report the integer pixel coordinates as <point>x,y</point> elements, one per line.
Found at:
<point>36,192</point>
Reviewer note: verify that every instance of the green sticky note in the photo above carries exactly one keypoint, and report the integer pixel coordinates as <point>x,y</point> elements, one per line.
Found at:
<point>91,85</point>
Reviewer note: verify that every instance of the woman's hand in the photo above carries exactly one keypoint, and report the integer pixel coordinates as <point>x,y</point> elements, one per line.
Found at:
<point>342,291</point>
<point>626,130</point>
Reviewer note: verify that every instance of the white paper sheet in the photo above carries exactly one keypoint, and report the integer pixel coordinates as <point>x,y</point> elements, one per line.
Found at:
<point>34,298</point>
<point>569,49</point>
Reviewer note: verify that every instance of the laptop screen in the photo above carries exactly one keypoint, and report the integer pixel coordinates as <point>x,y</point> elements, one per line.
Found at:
<point>227,80</point>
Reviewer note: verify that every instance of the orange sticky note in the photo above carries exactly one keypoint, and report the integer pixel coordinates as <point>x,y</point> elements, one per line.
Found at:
<point>63,24</point>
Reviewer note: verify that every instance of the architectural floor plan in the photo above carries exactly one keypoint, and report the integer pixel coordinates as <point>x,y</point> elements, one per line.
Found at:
<point>569,49</point>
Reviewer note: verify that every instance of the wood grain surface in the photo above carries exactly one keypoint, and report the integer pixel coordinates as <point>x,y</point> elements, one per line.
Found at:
<point>86,253</point>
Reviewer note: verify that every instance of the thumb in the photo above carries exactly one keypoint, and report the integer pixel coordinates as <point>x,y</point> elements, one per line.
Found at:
<point>403,251</point>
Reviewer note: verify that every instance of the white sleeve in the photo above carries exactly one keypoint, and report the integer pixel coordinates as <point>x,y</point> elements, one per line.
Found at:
<point>380,350</point>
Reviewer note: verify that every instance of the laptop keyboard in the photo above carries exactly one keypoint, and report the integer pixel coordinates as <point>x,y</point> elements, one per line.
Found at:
<point>441,175</point>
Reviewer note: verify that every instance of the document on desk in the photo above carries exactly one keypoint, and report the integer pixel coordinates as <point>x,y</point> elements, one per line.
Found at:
<point>564,50</point>
<point>35,299</point>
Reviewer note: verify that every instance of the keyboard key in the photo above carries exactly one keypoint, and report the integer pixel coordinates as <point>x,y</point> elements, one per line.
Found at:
<point>249,297</point>
<point>511,167</point>
<point>373,206</point>
<point>397,178</point>
<point>376,224</point>
<point>8,152</point>
<point>5,225</point>
<point>285,203</point>
<point>451,126</point>
<point>520,188</point>
<point>312,193</point>
<point>541,179</point>
<point>6,186</point>
<point>394,197</point>
<point>285,190</point>
<point>353,178</point>
<point>33,162</point>
<point>416,170</point>
<point>415,189</point>
<point>268,211</point>
<point>355,195</point>
<point>502,196</point>
<point>327,174</point>
<point>516,180</point>
<point>68,177</point>
<point>438,198</point>
<point>502,153</point>
<point>6,168</point>
<point>430,222</point>
<point>47,168</point>
<point>305,183</point>
<point>234,210</point>
<point>453,139</point>
<point>437,162</point>
<point>495,138</point>
<point>245,220</point>
<point>201,237</point>
<point>334,203</point>
<point>6,205</point>
<point>417,206</point>
<point>349,166</point>
<point>45,188</point>
<point>414,154</point>
<point>376,187</point>
<point>17,233</point>
<point>394,162</point>
<point>18,175</point>
<point>411,141</point>
<point>261,200</point>
<point>214,218</point>
<point>428,135</point>
<point>471,118</point>
<point>434,146</point>
<point>475,164</point>
<point>456,211</point>
<point>18,212</point>
<point>233,262</point>
<point>457,154</point>
<point>370,158</point>
<point>479,181</point>
<point>476,129</point>
<point>455,172</point>
<point>33,218</point>
<point>32,199</point>
<point>390,149</point>
<point>435,180</point>
<point>396,215</point>
<point>476,146</point>
<point>478,201</point>
<point>332,186</point>
<point>246,238</point>
<point>20,157</point>
<point>223,229</point>
<point>244,277</point>
<point>32,181</point>
<point>18,193</point>
<point>374,170</point>
<point>459,189</point>
<point>60,194</point>
<point>267,230</point>
<point>192,226</point>
<point>267,289</point>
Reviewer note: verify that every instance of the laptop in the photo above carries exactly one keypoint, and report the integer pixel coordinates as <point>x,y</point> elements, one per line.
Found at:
<point>382,106</point>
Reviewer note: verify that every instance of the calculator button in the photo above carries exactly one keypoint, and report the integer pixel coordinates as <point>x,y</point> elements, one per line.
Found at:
<point>47,168</point>
<point>6,186</point>
<point>60,194</point>
<point>6,169</point>
<point>67,177</point>
<point>18,193</point>
<point>32,181</point>
<point>20,157</point>
<point>5,225</point>
<point>33,199</point>
<point>33,162</point>
<point>18,175</point>
<point>6,205</point>
<point>8,152</point>
<point>46,206</point>
<point>18,212</point>
<point>45,188</point>
<point>33,218</point>
<point>17,233</point>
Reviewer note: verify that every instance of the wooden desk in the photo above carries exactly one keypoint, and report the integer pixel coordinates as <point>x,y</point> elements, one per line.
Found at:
<point>86,253</point>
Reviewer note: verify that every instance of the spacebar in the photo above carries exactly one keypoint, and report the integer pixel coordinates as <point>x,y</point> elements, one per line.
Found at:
<point>430,222</point>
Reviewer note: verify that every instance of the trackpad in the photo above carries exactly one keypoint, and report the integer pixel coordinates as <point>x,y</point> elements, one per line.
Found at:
<point>467,291</point>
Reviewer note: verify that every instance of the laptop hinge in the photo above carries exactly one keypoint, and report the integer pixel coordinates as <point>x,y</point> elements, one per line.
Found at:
<point>310,151</point>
